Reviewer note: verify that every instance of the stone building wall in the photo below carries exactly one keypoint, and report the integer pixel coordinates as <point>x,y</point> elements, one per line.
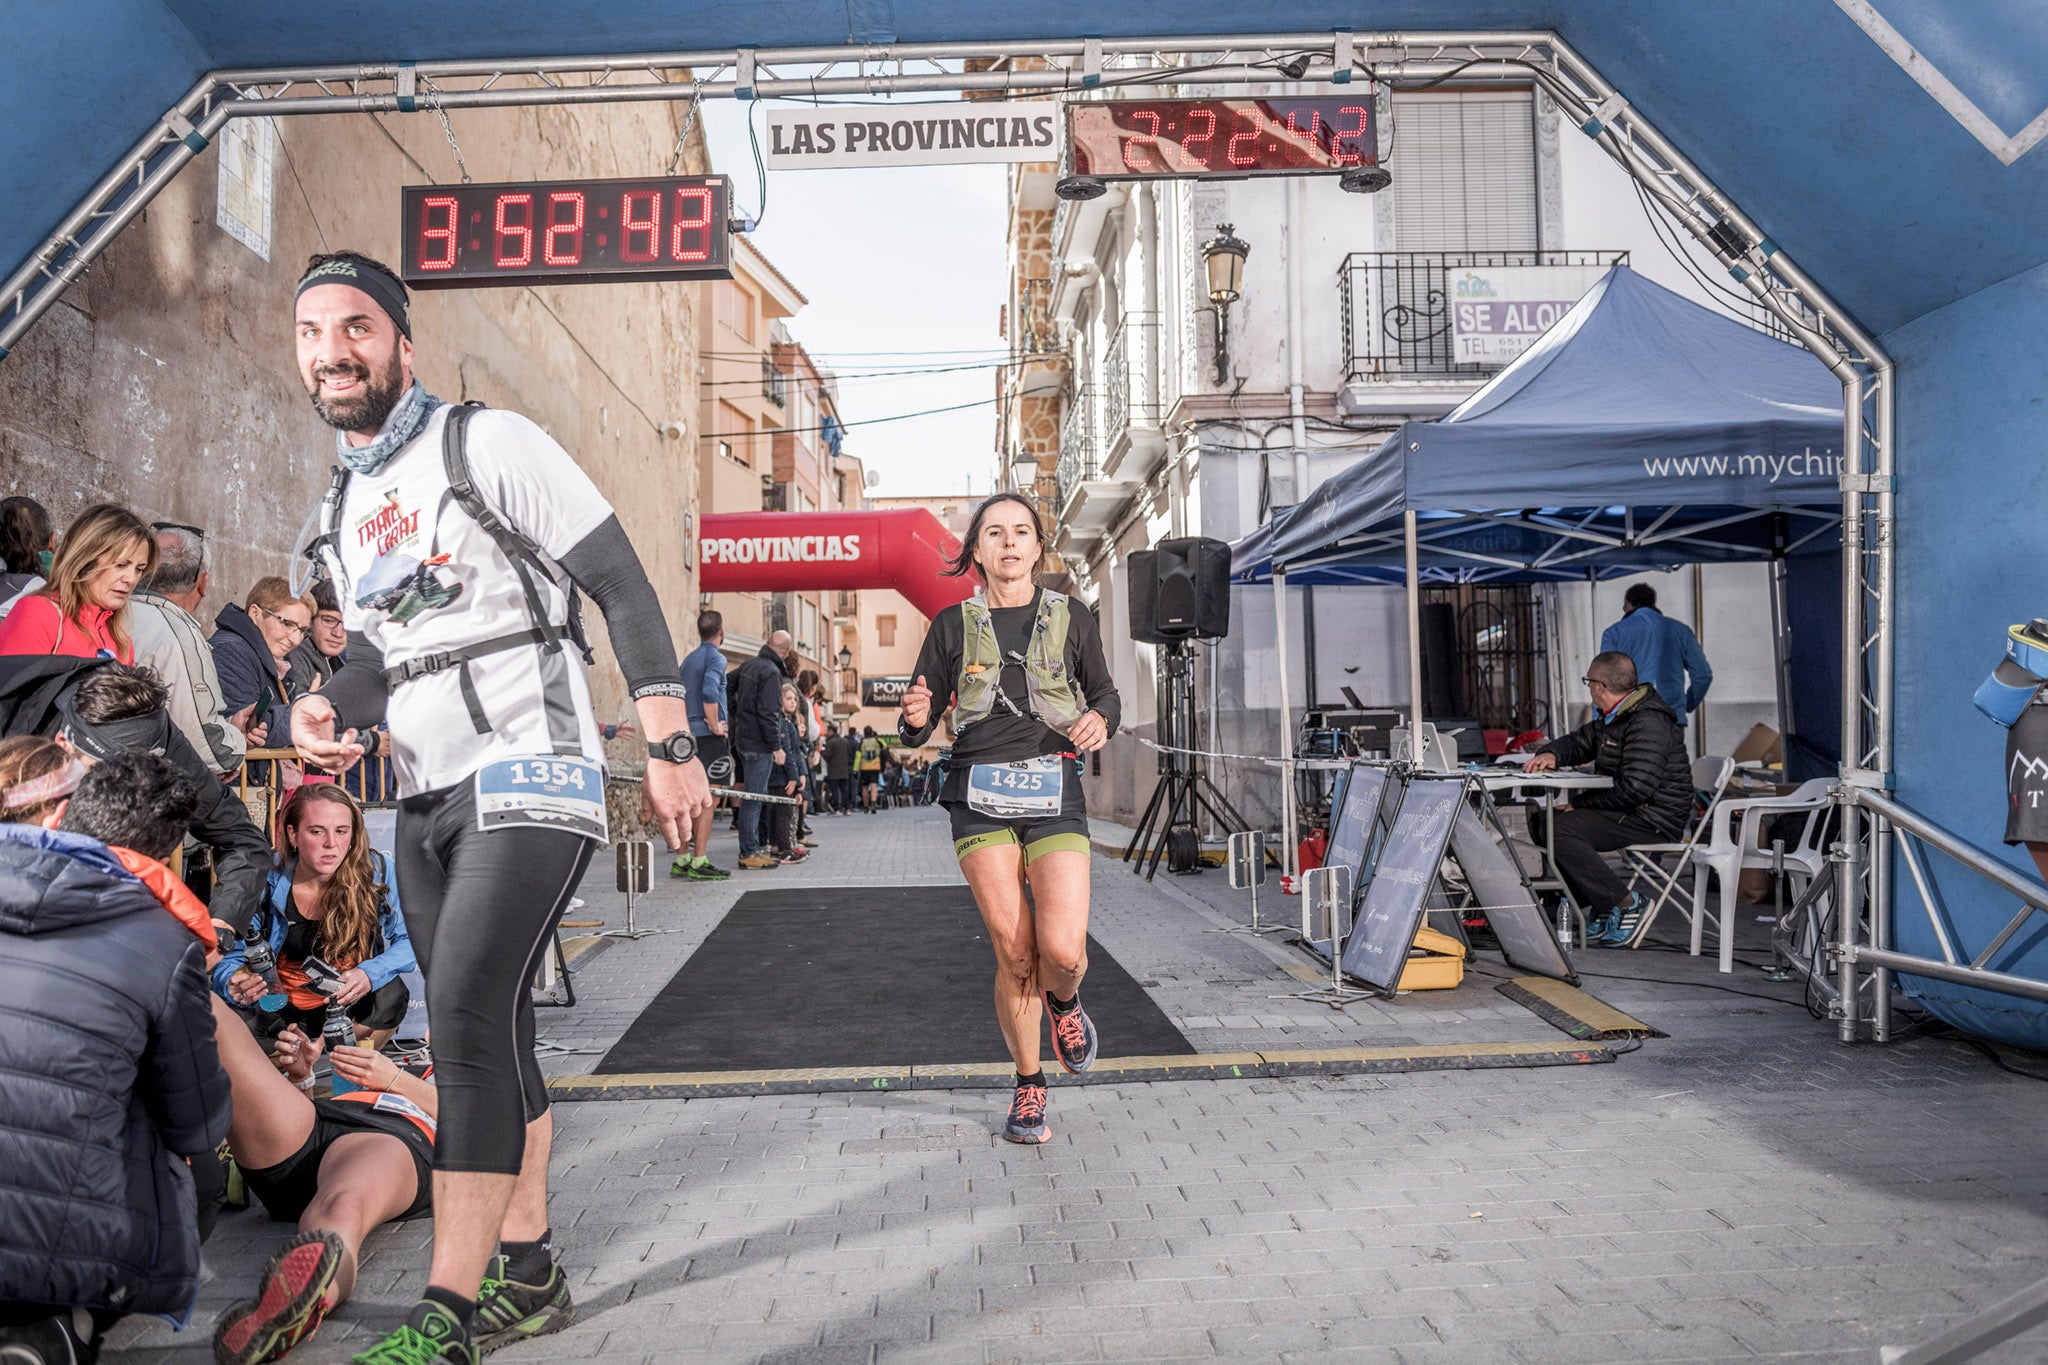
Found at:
<point>165,379</point>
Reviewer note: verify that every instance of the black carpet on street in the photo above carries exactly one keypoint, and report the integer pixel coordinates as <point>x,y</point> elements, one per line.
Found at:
<point>859,976</point>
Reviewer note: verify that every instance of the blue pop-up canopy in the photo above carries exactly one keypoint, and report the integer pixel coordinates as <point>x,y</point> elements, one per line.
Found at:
<point>1641,431</point>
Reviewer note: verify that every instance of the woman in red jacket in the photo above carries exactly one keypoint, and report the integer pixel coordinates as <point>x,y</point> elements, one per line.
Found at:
<point>83,610</point>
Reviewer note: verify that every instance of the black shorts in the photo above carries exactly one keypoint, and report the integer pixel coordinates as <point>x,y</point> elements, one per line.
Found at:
<point>2026,778</point>
<point>1038,834</point>
<point>714,755</point>
<point>289,1186</point>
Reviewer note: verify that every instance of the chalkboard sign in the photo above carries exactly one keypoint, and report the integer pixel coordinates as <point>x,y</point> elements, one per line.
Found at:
<point>1386,919</point>
<point>1357,814</point>
<point>1497,881</point>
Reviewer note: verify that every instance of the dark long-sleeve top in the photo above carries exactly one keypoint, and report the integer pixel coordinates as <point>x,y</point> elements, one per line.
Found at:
<point>1002,737</point>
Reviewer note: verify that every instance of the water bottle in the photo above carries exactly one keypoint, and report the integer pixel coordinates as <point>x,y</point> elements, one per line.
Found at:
<point>258,959</point>
<point>340,1031</point>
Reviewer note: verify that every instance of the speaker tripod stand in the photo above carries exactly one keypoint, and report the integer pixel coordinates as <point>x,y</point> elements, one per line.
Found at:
<point>1184,788</point>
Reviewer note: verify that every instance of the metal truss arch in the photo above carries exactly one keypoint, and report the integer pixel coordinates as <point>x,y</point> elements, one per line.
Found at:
<point>1086,68</point>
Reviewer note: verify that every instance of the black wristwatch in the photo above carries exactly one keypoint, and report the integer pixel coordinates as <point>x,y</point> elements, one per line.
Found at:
<point>677,748</point>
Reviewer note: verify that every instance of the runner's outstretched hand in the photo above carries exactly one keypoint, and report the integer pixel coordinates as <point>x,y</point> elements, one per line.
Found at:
<point>917,704</point>
<point>313,736</point>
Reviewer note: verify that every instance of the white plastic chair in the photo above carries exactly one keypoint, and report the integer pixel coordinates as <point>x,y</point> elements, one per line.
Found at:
<point>1731,846</point>
<point>1646,861</point>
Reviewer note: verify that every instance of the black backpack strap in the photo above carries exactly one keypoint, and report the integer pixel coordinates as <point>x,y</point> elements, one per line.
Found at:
<point>329,537</point>
<point>515,547</point>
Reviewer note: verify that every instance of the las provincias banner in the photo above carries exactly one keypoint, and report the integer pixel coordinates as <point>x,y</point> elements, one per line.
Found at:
<point>904,548</point>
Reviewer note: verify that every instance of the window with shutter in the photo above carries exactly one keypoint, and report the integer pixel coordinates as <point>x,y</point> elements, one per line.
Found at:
<point>1464,172</point>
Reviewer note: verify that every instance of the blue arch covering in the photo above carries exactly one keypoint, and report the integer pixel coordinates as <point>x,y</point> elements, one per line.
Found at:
<point>1917,207</point>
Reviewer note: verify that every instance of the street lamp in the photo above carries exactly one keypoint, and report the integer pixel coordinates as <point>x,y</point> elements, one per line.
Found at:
<point>845,658</point>
<point>1223,258</point>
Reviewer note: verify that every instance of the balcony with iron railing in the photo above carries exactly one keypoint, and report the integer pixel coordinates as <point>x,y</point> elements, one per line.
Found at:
<point>1133,438</point>
<point>1080,457</point>
<point>774,383</point>
<point>1088,497</point>
<point>1396,309</point>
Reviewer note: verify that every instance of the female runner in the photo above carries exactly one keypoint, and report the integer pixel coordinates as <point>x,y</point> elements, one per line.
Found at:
<point>1024,677</point>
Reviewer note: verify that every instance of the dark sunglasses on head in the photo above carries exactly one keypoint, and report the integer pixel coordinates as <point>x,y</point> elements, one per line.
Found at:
<point>199,531</point>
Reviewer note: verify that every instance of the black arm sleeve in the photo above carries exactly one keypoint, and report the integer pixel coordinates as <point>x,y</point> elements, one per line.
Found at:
<point>938,663</point>
<point>358,691</point>
<point>241,855</point>
<point>1091,670</point>
<point>605,565</point>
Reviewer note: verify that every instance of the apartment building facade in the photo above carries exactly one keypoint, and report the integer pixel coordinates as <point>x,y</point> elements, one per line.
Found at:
<point>1140,427</point>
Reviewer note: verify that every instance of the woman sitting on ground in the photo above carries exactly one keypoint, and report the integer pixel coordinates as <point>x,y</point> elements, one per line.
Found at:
<point>332,903</point>
<point>82,611</point>
<point>339,1167</point>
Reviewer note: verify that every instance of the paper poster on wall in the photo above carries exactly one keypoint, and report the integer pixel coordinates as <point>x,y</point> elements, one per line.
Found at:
<point>1498,311</point>
<point>242,202</point>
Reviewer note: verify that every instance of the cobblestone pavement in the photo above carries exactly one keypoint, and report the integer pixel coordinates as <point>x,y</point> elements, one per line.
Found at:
<point>1746,1188</point>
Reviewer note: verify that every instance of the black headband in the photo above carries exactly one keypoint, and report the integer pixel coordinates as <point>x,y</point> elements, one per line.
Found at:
<point>149,733</point>
<point>380,285</point>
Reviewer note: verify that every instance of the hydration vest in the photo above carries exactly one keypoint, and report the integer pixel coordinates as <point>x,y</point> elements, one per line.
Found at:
<point>528,561</point>
<point>1049,691</point>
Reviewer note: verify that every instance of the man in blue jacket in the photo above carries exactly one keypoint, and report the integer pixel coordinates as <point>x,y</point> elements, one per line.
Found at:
<point>703,675</point>
<point>1666,652</point>
<point>109,1077</point>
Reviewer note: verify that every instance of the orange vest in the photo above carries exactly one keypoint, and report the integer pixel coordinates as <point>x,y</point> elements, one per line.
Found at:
<point>171,893</point>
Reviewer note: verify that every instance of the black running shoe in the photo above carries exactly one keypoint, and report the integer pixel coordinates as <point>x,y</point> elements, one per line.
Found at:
<point>430,1335</point>
<point>1027,1116</point>
<point>508,1311</point>
<point>1073,1035</point>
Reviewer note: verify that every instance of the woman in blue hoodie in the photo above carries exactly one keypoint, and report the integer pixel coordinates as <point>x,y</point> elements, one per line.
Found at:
<point>332,903</point>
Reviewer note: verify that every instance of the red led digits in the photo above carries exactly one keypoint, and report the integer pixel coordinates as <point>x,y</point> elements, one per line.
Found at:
<point>1203,138</point>
<point>562,243</point>
<point>1132,151</point>
<point>1352,138</point>
<point>521,233</point>
<point>691,220</point>
<point>1249,155</point>
<point>646,227</point>
<point>445,234</point>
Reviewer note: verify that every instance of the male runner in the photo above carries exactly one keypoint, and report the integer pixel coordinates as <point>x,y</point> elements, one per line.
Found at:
<point>458,602</point>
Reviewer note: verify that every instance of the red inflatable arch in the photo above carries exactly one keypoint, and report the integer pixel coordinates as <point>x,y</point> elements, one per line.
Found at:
<point>901,548</point>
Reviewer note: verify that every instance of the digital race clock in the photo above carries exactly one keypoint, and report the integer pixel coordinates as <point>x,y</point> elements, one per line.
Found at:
<point>567,232</point>
<point>1143,139</point>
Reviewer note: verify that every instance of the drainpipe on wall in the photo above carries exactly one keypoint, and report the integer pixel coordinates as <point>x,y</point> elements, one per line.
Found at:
<point>1293,217</point>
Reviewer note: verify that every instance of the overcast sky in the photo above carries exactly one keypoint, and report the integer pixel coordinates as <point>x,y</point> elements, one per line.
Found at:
<point>901,259</point>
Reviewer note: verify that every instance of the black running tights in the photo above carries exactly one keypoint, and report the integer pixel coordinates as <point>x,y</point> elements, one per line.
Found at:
<point>481,909</point>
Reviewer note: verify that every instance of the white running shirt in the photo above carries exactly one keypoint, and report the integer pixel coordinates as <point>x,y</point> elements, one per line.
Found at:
<point>418,576</point>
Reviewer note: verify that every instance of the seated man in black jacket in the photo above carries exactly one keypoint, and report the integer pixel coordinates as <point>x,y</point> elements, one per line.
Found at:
<point>109,1077</point>
<point>114,709</point>
<point>1634,739</point>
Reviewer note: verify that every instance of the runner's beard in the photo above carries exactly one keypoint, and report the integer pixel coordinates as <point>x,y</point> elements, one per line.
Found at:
<point>363,411</point>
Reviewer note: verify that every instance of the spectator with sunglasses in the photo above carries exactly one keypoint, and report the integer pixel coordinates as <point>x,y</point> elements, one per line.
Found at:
<point>163,616</point>
<point>252,650</point>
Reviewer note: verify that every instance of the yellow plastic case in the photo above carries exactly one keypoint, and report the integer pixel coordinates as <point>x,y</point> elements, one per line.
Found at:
<point>1435,963</point>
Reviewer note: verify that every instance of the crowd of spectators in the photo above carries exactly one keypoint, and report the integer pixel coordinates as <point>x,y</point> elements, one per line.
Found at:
<point>147,1052</point>
<point>164,1050</point>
